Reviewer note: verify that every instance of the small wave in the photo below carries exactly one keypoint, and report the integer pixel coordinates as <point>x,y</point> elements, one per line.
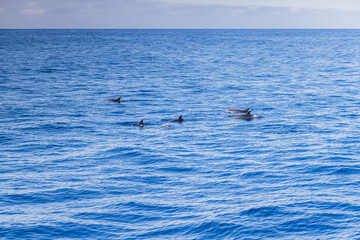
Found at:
<point>49,230</point>
<point>119,217</point>
<point>51,70</point>
<point>177,169</point>
<point>58,195</point>
<point>269,211</point>
<point>346,171</point>
<point>313,224</point>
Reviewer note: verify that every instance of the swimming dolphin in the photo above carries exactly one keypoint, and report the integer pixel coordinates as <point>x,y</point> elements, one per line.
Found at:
<point>248,115</point>
<point>180,119</point>
<point>140,124</point>
<point>114,100</point>
<point>238,111</point>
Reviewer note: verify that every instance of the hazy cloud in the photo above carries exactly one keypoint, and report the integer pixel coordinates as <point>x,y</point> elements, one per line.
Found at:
<point>33,11</point>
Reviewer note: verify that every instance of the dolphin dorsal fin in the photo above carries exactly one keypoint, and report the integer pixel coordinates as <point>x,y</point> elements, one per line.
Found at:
<point>180,118</point>
<point>247,110</point>
<point>141,122</point>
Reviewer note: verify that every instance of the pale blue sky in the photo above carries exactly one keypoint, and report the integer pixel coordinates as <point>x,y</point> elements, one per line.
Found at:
<point>180,14</point>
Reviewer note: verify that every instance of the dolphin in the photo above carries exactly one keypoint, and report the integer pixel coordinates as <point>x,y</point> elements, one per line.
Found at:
<point>114,100</point>
<point>248,115</point>
<point>238,111</point>
<point>180,119</point>
<point>140,124</point>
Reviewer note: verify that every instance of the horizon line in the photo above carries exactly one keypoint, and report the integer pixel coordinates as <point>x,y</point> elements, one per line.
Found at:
<point>179,28</point>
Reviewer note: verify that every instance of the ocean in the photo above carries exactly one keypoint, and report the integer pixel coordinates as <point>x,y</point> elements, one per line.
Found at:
<point>73,166</point>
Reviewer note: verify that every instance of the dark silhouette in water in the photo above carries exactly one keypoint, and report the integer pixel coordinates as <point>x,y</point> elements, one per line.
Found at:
<point>238,111</point>
<point>114,100</point>
<point>248,115</point>
<point>180,119</point>
<point>140,124</point>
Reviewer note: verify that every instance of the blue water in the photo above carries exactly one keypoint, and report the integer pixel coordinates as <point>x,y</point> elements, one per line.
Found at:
<point>73,166</point>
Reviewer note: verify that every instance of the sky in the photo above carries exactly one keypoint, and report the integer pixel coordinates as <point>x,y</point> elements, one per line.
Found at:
<point>183,14</point>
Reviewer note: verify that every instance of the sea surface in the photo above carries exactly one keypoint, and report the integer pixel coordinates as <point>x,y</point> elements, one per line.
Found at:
<point>73,166</point>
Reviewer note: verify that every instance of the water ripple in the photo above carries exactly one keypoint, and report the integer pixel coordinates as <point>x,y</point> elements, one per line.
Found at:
<point>74,166</point>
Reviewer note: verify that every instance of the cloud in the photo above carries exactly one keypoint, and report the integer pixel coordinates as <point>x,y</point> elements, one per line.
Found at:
<point>33,11</point>
<point>295,10</point>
